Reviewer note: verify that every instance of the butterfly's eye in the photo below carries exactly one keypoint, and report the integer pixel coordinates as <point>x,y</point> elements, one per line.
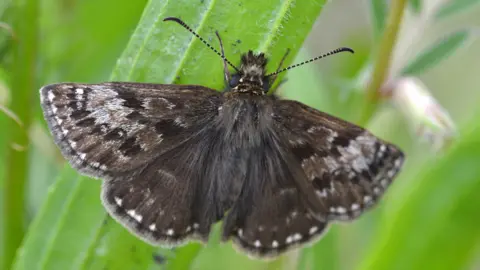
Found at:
<point>234,80</point>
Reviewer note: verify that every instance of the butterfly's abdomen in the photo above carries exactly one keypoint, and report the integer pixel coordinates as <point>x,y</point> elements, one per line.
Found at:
<point>240,131</point>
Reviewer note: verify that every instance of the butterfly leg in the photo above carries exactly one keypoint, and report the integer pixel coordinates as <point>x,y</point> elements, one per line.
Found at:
<point>272,80</point>
<point>225,64</point>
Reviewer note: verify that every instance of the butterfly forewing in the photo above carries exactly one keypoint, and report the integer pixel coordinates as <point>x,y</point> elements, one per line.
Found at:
<point>105,129</point>
<point>348,167</point>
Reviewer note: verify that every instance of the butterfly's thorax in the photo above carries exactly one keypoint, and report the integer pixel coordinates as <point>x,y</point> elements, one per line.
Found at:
<point>249,89</point>
<point>245,117</point>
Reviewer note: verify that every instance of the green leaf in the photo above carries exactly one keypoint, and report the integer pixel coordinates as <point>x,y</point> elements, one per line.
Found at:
<point>436,53</point>
<point>86,35</point>
<point>304,84</point>
<point>416,5</point>
<point>378,14</point>
<point>184,257</point>
<point>114,242</point>
<point>80,43</point>
<point>23,72</point>
<point>436,226</point>
<point>62,232</point>
<point>184,59</point>
<point>324,254</point>
<point>453,7</point>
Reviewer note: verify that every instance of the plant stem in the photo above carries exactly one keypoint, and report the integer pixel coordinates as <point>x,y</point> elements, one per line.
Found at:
<point>381,65</point>
<point>23,95</point>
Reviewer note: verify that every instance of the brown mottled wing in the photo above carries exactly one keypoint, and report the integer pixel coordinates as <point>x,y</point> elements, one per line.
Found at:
<point>104,129</point>
<point>348,167</point>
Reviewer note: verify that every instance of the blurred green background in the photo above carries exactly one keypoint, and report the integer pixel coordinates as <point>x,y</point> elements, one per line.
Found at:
<point>425,99</point>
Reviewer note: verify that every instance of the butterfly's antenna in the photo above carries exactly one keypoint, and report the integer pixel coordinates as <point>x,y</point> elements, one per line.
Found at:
<point>339,50</point>
<point>177,20</point>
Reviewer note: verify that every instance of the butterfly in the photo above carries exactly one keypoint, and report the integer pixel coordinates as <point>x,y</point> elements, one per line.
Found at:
<point>176,159</point>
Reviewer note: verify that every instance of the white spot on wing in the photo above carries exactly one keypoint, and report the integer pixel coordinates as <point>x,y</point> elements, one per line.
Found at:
<point>297,237</point>
<point>152,227</point>
<point>134,215</point>
<point>313,230</point>
<point>149,202</point>
<point>72,143</point>
<point>170,232</point>
<point>118,201</point>
<point>355,206</point>
<point>321,193</point>
<point>332,136</point>
<point>179,122</point>
<point>384,182</point>
<point>382,148</point>
<point>274,243</point>
<point>331,163</point>
<point>398,163</point>
<point>367,199</point>
<point>79,91</point>
<point>257,243</point>
<point>50,96</point>
<point>59,121</point>
<point>289,239</point>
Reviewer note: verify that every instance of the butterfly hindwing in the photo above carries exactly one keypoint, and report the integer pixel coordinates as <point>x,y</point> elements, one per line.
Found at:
<point>348,167</point>
<point>271,214</point>
<point>272,223</point>
<point>165,201</point>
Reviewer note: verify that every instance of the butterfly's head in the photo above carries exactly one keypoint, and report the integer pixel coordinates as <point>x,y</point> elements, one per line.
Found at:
<point>251,72</point>
<point>251,77</point>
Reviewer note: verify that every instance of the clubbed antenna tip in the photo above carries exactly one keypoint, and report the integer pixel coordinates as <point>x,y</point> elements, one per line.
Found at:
<point>339,50</point>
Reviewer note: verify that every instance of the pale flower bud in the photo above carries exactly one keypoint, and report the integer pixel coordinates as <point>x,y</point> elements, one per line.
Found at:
<point>429,119</point>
